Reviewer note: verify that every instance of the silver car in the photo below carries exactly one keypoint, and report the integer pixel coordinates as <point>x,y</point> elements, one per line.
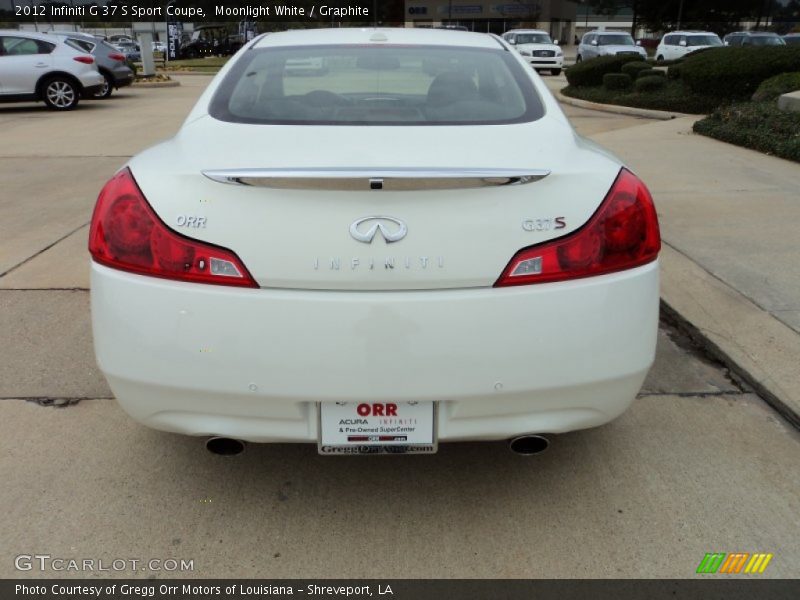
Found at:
<point>40,67</point>
<point>753,38</point>
<point>111,63</point>
<point>608,43</point>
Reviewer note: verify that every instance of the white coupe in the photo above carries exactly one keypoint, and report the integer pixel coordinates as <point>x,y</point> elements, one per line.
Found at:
<point>411,246</point>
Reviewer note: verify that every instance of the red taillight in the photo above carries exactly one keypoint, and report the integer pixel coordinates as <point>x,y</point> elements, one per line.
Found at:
<point>117,56</point>
<point>87,60</point>
<point>127,234</point>
<point>622,234</point>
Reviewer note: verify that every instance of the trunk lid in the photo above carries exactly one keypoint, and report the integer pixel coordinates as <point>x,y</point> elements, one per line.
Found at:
<point>298,206</point>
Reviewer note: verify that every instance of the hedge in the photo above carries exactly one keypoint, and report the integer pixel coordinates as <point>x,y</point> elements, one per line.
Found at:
<point>758,125</point>
<point>633,68</point>
<point>674,72</point>
<point>652,73</point>
<point>776,86</point>
<point>617,81</point>
<point>651,83</point>
<point>736,73</point>
<point>590,72</point>
<point>673,97</point>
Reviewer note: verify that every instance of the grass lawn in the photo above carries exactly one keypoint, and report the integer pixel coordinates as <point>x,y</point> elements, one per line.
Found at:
<point>212,64</point>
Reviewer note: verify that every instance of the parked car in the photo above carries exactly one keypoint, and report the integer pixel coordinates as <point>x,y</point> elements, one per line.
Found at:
<point>608,43</point>
<point>792,39</point>
<point>130,50</point>
<point>159,47</point>
<point>41,67</point>
<point>118,39</point>
<point>538,48</point>
<point>366,276</point>
<point>678,44</point>
<point>196,47</point>
<point>110,62</point>
<point>753,38</point>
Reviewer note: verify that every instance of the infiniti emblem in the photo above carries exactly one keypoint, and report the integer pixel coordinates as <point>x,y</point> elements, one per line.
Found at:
<point>364,230</point>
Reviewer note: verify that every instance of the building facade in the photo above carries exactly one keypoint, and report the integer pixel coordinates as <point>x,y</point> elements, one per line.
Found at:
<point>557,17</point>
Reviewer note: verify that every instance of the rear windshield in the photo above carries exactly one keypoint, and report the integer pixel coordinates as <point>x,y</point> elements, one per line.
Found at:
<point>80,45</point>
<point>368,85</point>
<point>620,39</point>
<point>703,40</point>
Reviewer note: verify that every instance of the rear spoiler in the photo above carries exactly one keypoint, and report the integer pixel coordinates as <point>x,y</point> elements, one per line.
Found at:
<point>368,178</point>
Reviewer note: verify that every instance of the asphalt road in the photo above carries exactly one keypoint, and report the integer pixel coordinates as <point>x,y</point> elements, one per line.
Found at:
<point>697,465</point>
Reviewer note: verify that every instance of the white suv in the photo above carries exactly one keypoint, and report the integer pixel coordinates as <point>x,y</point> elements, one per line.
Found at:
<point>36,67</point>
<point>678,44</point>
<point>538,49</point>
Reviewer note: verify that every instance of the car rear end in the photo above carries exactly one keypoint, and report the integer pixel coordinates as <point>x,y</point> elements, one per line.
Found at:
<point>115,63</point>
<point>342,264</point>
<point>79,63</point>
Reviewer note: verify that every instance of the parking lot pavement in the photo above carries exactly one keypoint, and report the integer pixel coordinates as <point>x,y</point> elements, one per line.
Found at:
<point>52,166</point>
<point>698,464</point>
<point>703,467</point>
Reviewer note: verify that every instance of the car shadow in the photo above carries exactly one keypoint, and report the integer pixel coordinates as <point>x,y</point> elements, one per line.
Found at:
<point>459,473</point>
<point>38,109</point>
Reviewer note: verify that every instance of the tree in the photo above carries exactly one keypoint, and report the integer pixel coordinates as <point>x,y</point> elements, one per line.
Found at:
<point>610,8</point>
<point>720,16</point>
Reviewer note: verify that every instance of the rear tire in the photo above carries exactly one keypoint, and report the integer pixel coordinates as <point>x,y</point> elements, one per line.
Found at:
<point>60,93</point>
<point>108,87</point>
<point>555,72</point>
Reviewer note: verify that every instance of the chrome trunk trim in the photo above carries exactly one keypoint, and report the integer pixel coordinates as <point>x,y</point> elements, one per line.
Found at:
<point>389,179</point>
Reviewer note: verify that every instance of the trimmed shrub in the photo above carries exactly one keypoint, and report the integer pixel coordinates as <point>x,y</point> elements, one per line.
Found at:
<point>674,97</point>
<point>617,81</point>
<point>736,73</point>
<point>652,73</point>
<point>776,86</point>
<point>650,84</point>
<point>758,125</point>
<point>665,63</point>
<point>674,72</point>
<point>633,68</point>
<point>590,72</point>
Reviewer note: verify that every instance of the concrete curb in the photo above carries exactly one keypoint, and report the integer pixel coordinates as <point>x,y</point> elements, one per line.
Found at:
<point>748,340</point>
<point>630,111</point>
<point>156,84</point>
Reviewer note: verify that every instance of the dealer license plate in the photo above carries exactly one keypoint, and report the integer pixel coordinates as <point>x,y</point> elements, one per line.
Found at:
<point>377,428</point>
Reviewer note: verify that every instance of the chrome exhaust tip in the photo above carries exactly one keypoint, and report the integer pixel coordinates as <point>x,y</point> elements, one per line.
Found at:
<point>528,445</point>
<point>223,446</point>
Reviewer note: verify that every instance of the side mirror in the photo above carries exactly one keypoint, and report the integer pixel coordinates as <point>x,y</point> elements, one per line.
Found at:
<point>683,43</point>
<point>594,42</point>
<point>726,43</point>
<point>512,41</point>
<point>555,42</point>
<point>638,42</point>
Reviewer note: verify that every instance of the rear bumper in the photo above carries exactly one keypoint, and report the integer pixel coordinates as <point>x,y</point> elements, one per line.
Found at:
<point>253,364</point>
<point>92,82</point>
<point>123,77</point>
<point>91,90</point>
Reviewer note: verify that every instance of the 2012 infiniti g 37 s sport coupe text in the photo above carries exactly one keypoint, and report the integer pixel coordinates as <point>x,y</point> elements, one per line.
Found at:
<point>405,245</point>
